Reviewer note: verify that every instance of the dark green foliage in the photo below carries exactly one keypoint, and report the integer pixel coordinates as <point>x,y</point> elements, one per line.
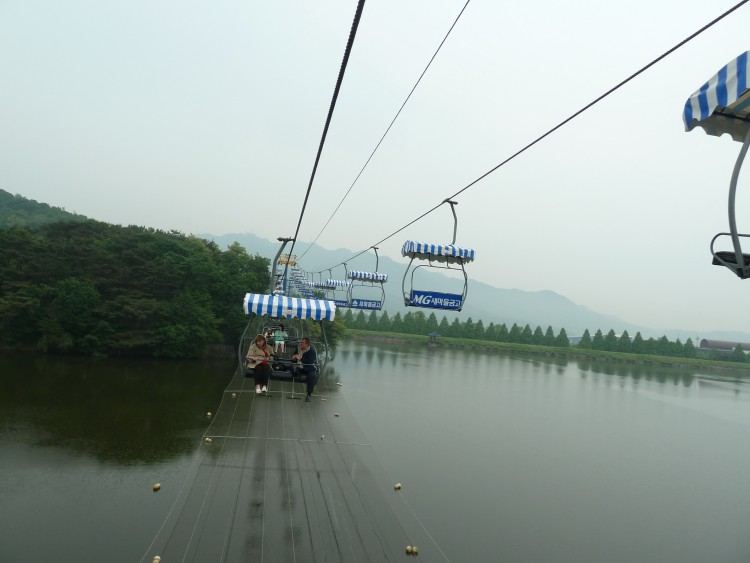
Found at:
<point>538,336</point>
<point>93,288</point>
<point>432,324</point>
<point>397,324</point>
<point>515,333</point>
<point>360,321</point>
<point>549,337</point>
<point>688,350</point>
<point>585,342</point>
<point>372,321</point>
<point>527,336</point>
<point>562,339</point>
<point>738,355</point>
<point>638,346</point>
<point>624,344</point>
<point>610,341</point>
<point>479,331</point>
<point>597,343</point>
<point>502,334</point>
<point>384,322</point>
<point>456,329</point>
<point>18,211</point>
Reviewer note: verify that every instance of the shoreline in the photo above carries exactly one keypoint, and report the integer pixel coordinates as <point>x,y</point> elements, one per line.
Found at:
<point>534,350</point>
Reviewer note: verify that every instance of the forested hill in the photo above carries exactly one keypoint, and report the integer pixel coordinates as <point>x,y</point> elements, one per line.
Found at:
<point>94,288</point>
<point>16,210</point>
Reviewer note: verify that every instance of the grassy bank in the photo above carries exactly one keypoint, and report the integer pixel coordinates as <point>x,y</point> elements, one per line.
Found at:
<point>551,352</point>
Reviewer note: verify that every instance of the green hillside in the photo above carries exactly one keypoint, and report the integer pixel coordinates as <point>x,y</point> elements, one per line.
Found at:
<point>92,288</point>
<point>18,211</point>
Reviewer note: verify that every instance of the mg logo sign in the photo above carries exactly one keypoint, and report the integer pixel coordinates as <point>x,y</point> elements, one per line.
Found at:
<point>422,300</point>
<point>435,300</point>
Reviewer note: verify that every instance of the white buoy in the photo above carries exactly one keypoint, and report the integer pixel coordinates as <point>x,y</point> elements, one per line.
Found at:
<point>409,550</point>
<point>336,414</point>
<point>322,436</point>
<point>157,559</point>
<point>234,395</point>
<point>156,486</point>
<point>415,550</point>
<point>397,486</point>
<point>208,440</point>
<point>339,384</point>
<point>208,414</point>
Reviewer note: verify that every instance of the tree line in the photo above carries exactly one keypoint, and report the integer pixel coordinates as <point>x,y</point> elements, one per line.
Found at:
<point>418,322</point>
<point>93,288</point>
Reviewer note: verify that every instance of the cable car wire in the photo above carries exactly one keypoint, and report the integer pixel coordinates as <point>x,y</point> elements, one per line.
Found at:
<point>558,126</point>
<point>387,130</point>
<point>347,52</point>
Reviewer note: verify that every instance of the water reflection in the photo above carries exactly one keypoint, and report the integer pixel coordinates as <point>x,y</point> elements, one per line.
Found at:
<point>660,374</point>
<point>123,411</point>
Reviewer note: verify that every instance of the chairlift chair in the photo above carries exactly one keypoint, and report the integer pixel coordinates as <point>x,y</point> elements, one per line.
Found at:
<point>439,256</point>
<point>274,310</point>
<point>338,292</point>
<point>366,289</point>
<point>722,105</point>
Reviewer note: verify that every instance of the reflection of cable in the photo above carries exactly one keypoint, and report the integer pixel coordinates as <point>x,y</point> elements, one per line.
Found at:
<point>193,467</point>
<point>216,466</point>
<point>403,498</point>
<point>286,464</point>
<point>176,500</point>
<point>388,129</point>
<point>559,125</point>
<point>230,523</point>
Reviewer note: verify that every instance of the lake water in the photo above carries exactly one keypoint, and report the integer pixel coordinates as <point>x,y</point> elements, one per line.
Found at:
<point>502,458</point>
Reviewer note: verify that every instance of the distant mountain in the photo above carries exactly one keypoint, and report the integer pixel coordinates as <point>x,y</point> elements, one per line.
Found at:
<point>18,211</point>
<point>485,302</point>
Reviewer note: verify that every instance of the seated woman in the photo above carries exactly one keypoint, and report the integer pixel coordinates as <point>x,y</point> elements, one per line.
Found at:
<point>258,358</point>
<point>279,338</point>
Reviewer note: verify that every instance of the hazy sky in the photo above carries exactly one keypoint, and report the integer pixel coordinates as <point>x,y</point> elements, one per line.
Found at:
<point>205,117</point>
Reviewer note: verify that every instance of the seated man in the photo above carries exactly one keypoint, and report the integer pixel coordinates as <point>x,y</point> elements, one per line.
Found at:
<point>308,358</point>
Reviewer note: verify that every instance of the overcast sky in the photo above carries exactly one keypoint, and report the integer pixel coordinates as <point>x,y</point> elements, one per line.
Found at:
<point>205,117</point>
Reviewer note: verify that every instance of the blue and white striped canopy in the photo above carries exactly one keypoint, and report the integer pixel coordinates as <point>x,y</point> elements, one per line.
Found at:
<point>722,105</point>
<point>281,306</point>
<point>338,283</point>
<point>439,252</point>
<point>367,276</point>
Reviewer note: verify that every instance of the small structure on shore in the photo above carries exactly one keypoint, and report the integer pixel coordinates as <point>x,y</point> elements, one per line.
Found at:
<point>432,338</point>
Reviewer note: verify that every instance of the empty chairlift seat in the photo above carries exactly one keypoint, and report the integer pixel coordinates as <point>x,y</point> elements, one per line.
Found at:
<point>366,290</point>
<point>445,256</point>
<point>722,106</point>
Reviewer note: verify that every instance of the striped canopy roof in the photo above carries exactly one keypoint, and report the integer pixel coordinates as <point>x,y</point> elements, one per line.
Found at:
<point>427,251</point>
<point>367,276</point>
<point>281,306</point>
<point>722,105</point>
<point>338,283</point>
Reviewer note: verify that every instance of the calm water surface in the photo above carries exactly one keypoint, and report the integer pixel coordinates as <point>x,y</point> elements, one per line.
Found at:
<point>502,458</point>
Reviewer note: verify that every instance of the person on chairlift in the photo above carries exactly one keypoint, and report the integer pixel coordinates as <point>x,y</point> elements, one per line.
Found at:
<point>308,359</point>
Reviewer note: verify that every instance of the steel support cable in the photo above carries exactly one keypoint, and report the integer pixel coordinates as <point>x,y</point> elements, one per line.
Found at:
<point>558,126</point>
<point>347,52</point>
<point>388,129</point>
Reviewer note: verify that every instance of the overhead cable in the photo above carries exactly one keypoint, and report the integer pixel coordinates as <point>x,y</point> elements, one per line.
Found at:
<point>347,52</point>
<point>559,125</point>
<point>388,129</point>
